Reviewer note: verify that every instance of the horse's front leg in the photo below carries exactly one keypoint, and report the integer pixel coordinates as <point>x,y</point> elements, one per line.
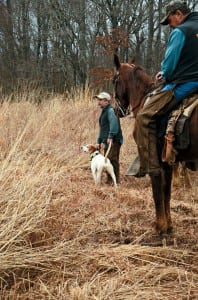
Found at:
<point>157,182</point>
<point>168,172</point>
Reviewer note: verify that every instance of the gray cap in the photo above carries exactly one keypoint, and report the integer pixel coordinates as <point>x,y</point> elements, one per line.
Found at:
<point>171,8</point>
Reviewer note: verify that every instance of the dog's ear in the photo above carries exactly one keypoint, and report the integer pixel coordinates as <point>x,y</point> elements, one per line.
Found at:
<point>91,148</point>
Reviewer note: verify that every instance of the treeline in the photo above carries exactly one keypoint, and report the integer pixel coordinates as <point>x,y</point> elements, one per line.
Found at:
<point>61,44</point>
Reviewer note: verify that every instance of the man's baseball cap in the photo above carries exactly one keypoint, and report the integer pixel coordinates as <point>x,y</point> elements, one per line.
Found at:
<point>171,8</point>
<point>103,95</point>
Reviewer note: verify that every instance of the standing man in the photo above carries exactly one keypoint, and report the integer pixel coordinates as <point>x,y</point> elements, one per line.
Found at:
<point>110,132</point>
<point>179,75</point>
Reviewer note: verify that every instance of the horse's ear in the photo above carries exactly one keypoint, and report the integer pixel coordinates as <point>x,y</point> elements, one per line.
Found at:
<point>132,60</point>
<point>116,61</point>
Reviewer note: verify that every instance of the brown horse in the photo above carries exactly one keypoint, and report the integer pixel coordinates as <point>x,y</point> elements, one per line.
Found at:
<point>132,85</point>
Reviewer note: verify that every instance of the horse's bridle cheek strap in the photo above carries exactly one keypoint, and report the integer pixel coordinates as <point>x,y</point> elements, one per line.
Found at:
<point>119,107</point>
<point>115,82</point>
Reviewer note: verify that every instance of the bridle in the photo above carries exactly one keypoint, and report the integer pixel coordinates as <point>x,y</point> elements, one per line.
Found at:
<point>123,111</point>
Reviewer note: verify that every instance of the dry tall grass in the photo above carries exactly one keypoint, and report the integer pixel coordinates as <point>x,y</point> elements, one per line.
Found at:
<point>63,238</point>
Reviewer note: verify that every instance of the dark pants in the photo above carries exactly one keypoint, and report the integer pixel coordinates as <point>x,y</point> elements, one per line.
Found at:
<point>145,135</point>
<point>114,155</point>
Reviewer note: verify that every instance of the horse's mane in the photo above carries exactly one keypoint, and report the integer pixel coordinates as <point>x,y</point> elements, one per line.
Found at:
<point>141,79</point>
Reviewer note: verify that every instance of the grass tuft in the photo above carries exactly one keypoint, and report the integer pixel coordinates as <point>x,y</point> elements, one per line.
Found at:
<point>61,236</point>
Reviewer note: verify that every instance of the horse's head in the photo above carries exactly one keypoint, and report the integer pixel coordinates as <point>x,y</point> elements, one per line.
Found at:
<point>121,95</point>
<point>131,84</point>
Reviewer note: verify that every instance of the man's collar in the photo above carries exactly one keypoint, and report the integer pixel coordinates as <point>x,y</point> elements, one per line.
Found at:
<point>105,107</point>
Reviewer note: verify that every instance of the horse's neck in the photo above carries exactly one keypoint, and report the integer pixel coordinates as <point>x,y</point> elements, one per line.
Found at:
<point>137,96</point>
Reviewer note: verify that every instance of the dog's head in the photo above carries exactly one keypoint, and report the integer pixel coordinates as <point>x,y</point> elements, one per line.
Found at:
<point>88,148</point>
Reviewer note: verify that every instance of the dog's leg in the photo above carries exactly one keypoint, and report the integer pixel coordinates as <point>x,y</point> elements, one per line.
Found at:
<point>99,175</point>
<point>112,174</point>
<point>94,174</point>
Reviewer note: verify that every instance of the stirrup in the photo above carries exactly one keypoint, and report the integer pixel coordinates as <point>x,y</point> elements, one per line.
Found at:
<point>134,169</point>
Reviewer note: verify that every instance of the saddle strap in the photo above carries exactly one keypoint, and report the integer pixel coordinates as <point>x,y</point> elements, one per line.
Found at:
<point>169,153</point>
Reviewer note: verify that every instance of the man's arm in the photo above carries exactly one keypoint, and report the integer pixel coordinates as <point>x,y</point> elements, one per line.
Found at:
<point>113,124</point>
<point>172,54</point>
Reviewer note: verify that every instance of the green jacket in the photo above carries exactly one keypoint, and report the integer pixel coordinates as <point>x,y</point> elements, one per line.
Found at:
<point>109,126</point>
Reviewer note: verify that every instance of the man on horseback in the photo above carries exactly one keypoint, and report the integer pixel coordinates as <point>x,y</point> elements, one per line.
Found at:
<point>179,75</point>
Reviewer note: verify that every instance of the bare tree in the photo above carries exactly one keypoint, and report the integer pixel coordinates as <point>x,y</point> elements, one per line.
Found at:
<point>8,47</point>
<point>54,43</point>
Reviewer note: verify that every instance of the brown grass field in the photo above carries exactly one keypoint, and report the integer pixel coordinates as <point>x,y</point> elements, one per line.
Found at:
<point>61,236</point>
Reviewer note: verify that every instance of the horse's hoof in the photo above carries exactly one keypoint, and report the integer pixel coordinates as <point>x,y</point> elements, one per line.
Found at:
<point>164,230</point>
<point>161,227</point>
<point>161,232</point>
<point>170,229</point>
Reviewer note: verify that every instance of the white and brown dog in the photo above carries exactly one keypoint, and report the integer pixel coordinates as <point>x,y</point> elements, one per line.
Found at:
<point>99,163</point>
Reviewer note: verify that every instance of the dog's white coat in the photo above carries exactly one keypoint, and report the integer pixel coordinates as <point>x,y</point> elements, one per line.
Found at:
<point>99,163</point>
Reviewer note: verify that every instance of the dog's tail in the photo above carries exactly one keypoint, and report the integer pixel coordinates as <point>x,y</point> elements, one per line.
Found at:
<point>106,154</point>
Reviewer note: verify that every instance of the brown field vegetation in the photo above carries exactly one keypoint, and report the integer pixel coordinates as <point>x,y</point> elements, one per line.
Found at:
<point>61,236</point>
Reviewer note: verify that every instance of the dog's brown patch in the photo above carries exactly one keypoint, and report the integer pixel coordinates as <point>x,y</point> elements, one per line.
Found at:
<point>91,148</point>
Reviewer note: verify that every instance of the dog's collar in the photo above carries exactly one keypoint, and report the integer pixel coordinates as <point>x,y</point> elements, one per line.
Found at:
<point>92,155</point>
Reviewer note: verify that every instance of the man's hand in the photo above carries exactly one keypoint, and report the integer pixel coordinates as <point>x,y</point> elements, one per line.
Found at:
<point>98,146</point>
<point>159,77</point>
